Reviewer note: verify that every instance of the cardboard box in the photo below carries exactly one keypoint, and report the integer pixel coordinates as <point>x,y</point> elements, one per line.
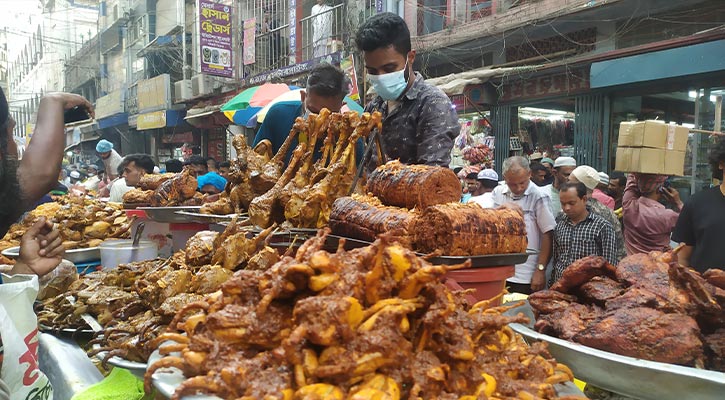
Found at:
<point>650,161</point>
<point>653,134</point>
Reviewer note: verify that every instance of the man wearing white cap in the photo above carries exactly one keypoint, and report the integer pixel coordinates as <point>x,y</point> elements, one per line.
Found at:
<point>111,159</point>
<point>590,178</point>
<point>562,169</point>
<point>599,194</point>
<point>530,276</point>
<point>487,181</point>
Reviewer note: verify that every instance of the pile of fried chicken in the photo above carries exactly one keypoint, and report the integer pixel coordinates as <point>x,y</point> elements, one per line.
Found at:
<point>647,307</point>
<point>302,193</point>
<point>369,323</point>
<point>82,222</point>
<point>136,302</point>
<point>165,190</point>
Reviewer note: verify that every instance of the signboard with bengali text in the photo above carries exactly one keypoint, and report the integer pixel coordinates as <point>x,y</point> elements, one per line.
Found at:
<point>215,38</point>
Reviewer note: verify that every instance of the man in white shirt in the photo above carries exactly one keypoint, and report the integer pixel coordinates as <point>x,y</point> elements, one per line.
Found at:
<point>535,203</point>
<point>321,27</point>
<point>487,181</point>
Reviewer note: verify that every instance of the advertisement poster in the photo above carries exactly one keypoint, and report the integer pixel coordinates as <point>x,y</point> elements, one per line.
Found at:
<point>215,38</point>
<point>249,39</point>
<point>347,64</point>
<point>292,31</point>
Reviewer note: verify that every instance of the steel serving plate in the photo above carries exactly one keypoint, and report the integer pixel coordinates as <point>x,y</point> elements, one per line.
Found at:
<point>210,218</point>
<point>76,256</point>
<point>169,214</point>
<point>482,261</point>
<point>166,380</point>
<point>628,376</point>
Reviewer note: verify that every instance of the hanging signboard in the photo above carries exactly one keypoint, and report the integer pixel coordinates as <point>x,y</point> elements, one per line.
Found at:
<point>249,40</point>
<point>215,38</point>
<point>347,64</point>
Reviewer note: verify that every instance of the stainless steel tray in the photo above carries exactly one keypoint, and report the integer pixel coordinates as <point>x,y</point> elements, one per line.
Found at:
<point>210,218</point>
<point>76,256</point>
<point>169,214</point>
<point>628,376</point>
<point>483,261</point>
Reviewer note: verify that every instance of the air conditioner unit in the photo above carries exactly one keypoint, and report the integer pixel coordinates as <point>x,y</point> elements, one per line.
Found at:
<point>201,85</point>
<point>182,90</point>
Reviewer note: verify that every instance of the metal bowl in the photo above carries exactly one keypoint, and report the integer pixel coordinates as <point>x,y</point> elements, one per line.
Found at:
<point>76,256</point>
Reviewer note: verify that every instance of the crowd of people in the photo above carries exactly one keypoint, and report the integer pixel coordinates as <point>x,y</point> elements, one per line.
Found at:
<point>584,212</point>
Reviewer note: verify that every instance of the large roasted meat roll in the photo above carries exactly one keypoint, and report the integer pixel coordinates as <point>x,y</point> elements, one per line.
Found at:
<point>414,186</point>
<point>365,217</point>
<point>458,229</point>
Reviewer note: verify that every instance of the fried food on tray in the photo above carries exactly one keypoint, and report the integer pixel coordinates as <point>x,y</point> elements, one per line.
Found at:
<point>153,181</point>
<point>369,323</point>
<point>414,186</point>
<point>647,307</point>
<point>138,196</point>
<point>81,222</point>
<point>175,191</point>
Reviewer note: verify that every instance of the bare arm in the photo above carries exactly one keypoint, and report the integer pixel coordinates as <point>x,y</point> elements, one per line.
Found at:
<point>547,242</point>
<point>683,257</point>
<point>38,171</point>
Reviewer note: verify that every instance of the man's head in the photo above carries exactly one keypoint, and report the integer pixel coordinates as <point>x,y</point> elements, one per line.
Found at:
<point>717,159</point>
<point>198,164</point>
<point>487,180</point>
<point>517,174</point>
<point>538,174</point>
<point>617,182</point>
<point>211,183</point>
<point>92,170</point>
<point>573,198</point>
<point>385,42</point>
<point>103,148</point>
<point>603,181</point>
<point>75,176</point>
<point>586,175</point>
<point>563,166</point>
<point>224,168</point>
<point>327,86</point>
<point>549,164</point>
<point>174,166</point>
<point>472,183</point>
<point>135,166</point>
<point>211,164</point>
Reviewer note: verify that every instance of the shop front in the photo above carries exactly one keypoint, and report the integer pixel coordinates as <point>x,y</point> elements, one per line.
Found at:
<point>683,85</point>
<point>213,126</point>
<point>552,112</point>
<point>80,142</point>
<point>167,133</point>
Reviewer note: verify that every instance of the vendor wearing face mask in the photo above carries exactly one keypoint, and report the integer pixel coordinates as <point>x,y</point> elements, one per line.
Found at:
<point>419,121</point>
<point>327,86</point>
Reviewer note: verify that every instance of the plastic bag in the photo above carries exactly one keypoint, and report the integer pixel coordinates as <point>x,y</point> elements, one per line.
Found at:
<point>19,332</point>
<point>57,281</point>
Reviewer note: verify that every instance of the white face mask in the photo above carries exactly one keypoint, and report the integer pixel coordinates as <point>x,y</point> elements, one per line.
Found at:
<point>391,85</point>
<point>306,113</point>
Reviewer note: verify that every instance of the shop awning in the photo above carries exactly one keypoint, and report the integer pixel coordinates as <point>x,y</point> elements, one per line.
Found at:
<point>455,84</point>
<point>206,117</point>
<point>671,63</point>
<point>159,119</point>
<point>86,126</point>
<point>114,120</point>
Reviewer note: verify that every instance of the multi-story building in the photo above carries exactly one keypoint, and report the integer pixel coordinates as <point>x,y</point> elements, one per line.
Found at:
<point>4,60</point>
<point>45,45</point>
<point>562,74</point>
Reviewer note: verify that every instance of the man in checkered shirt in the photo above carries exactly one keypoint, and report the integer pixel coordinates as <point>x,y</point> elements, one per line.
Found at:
<point>579,232</point>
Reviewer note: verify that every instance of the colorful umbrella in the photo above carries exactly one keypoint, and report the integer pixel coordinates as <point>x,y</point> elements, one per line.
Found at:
<point>294,95</point>
<point>247,103</point>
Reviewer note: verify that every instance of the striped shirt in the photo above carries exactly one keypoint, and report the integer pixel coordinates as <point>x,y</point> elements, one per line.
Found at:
<point>591,237</point>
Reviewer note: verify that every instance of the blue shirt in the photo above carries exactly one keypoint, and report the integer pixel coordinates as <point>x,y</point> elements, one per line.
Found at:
<point>279,121</point>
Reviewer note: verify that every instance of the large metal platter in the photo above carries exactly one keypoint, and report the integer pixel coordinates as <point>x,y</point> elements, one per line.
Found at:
<point>166,380</point>
<point>169,214</point>
<point>136,368</point>
<point>76,256</point>
<point>628,376</point>
<point>210,218</point>
<point>483,261</point>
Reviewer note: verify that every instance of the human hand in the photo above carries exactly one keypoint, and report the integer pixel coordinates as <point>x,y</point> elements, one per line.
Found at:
<point>673,196</point>
<point>41,249</point>
<point>70,100</point>
<point>514,207</point>
<point>538,281</point>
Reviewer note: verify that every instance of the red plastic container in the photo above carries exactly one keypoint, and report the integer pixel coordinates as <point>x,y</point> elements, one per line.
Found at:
<point>487,282</point>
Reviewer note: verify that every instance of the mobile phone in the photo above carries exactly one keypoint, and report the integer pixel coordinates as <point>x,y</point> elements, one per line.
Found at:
<point>75,114</point>
<point>667,184</point>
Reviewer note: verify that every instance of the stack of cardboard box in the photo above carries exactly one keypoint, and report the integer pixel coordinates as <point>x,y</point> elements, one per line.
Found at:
<point>651,147</point>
